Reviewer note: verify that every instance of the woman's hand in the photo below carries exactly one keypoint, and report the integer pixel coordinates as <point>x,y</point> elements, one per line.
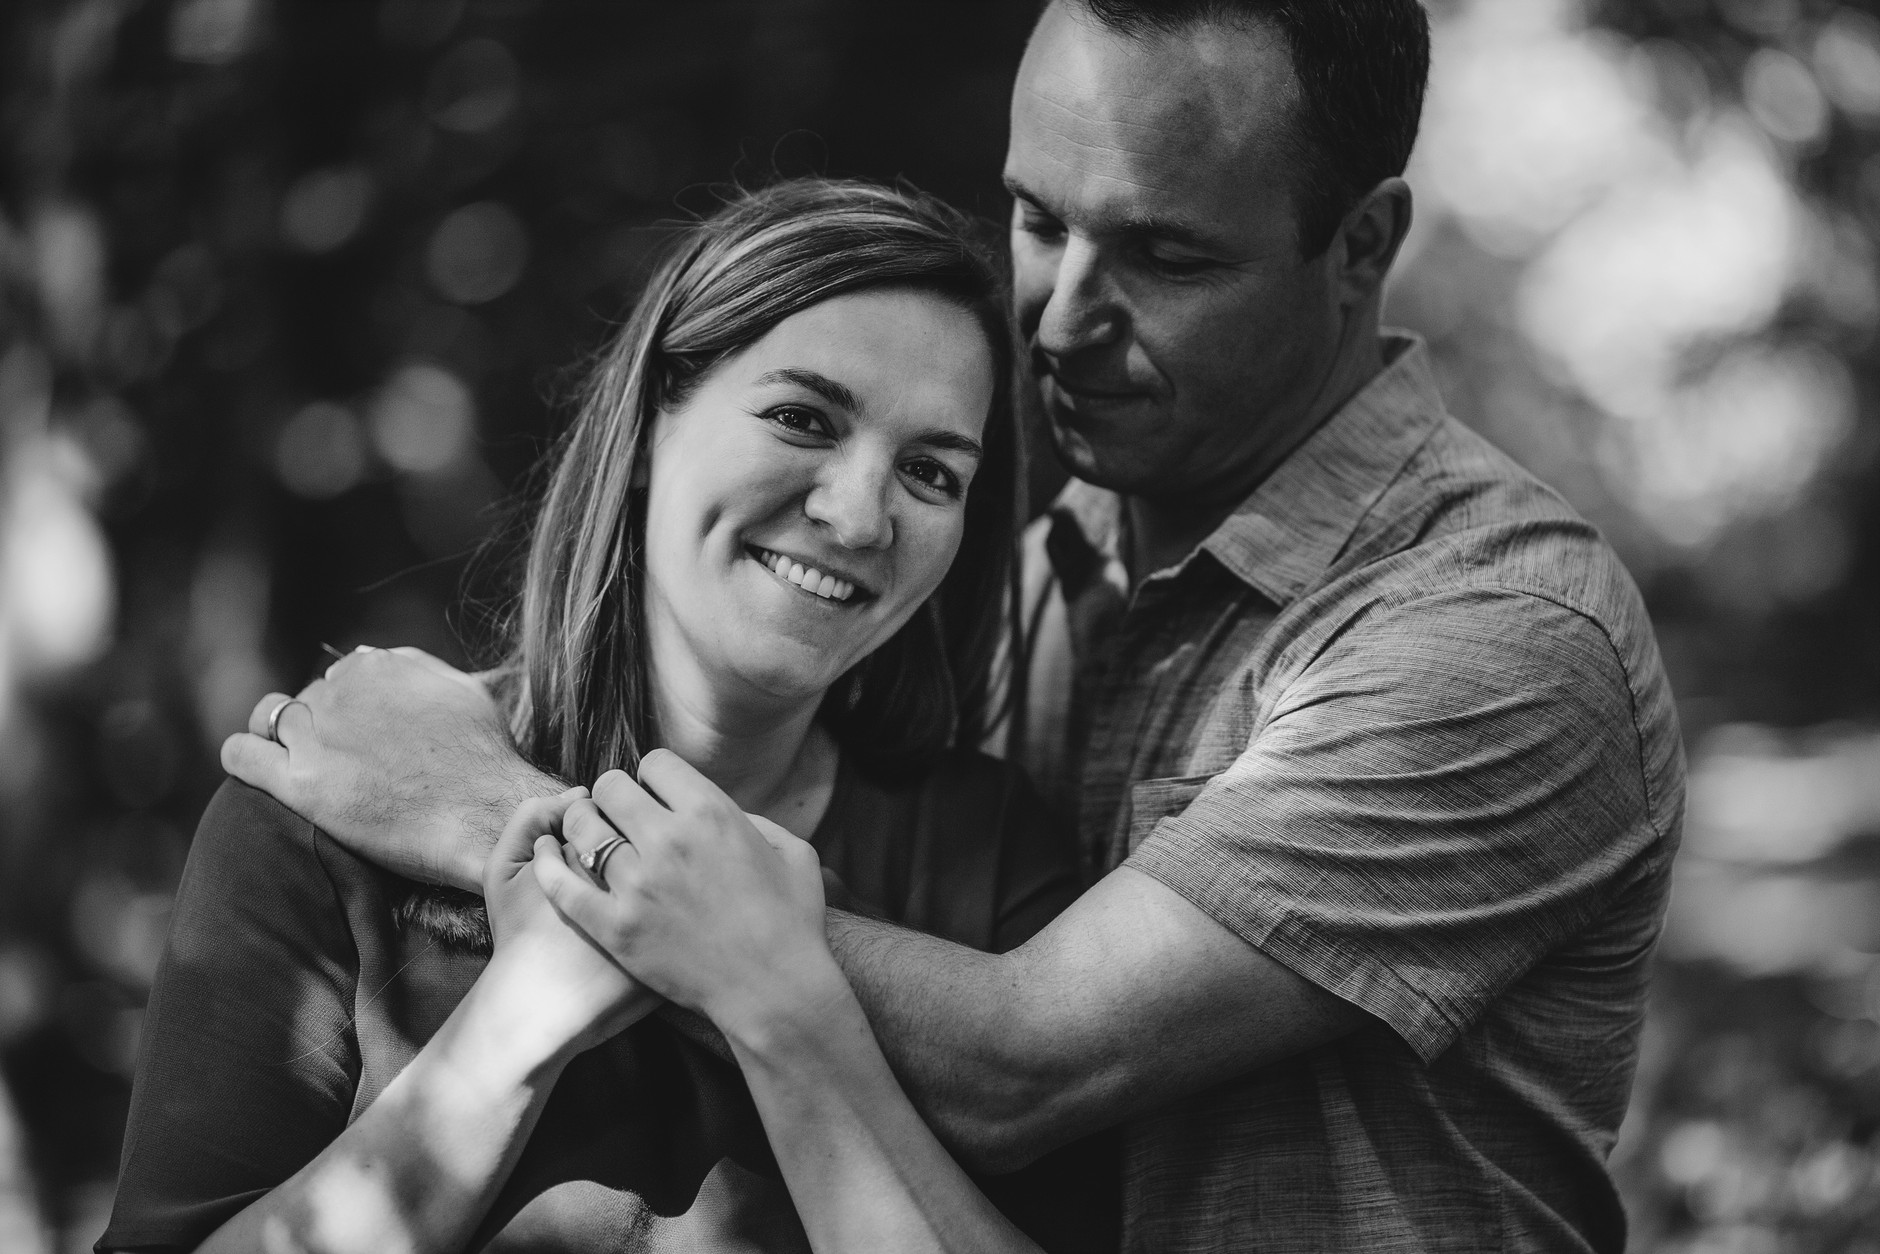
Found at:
<point>727,919</point>
<point>700,905</point>
<point>545,973</point>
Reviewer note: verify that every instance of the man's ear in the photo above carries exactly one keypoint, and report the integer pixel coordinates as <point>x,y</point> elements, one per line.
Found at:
<point>1368,242</point>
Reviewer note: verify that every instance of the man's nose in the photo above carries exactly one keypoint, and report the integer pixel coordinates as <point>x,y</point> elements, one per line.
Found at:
<point>1082,311</point>
<point>851,498</point>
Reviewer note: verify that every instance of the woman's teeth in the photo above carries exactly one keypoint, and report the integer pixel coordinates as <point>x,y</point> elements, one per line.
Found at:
<point>808,578</point>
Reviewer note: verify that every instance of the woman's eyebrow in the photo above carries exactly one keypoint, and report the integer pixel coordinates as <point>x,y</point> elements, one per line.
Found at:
<point>841,396</point>
<point>837,394</point>
<point>951,440</point>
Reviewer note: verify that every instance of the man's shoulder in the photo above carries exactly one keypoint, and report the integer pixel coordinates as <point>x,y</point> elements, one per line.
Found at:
<point>1467,544</point>
<point>1463,514</point>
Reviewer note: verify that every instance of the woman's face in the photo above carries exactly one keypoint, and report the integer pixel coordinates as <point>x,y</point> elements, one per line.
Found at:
<point>810,494</point>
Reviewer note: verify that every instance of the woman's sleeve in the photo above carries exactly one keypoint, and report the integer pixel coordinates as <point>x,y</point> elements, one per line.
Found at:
<point>1038,867</point>
<point>246,1068</point>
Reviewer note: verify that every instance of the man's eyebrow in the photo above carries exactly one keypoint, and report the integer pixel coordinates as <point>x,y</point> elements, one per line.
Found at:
<point>1148,226</point>
<point>1169,232</point>
<point>837,394</point>
<point>1017,189</point>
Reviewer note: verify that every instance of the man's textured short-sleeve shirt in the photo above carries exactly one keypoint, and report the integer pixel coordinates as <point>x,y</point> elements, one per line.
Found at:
<point>1400,723</point>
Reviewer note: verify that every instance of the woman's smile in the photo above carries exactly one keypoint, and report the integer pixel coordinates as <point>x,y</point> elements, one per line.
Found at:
<point>810,494</point>
<point>809,578</point>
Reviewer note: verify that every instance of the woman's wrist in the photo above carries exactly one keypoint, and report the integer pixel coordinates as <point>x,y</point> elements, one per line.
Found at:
<point>792,1015</point>
<point>508,1030</point>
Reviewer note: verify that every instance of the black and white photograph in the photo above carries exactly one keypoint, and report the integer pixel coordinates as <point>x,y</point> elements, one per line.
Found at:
<point>969,626</point>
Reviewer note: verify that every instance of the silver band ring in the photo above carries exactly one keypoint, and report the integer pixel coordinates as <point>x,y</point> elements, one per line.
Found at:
<point>274,718</point>
<point>595,860</point>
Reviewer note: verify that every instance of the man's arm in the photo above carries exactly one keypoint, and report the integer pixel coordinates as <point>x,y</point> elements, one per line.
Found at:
<point>1454,787</point>
<point>1131,998</point>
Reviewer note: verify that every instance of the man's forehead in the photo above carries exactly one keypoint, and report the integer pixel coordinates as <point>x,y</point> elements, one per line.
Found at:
<point>1156,123</point>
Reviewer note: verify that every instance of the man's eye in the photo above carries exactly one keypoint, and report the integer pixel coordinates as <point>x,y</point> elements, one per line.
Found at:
<point>933,474</point>
<point>1039,226</point>
<point>1176,263</point>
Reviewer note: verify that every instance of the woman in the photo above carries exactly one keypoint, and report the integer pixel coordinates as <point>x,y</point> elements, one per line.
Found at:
<point>774,542</point>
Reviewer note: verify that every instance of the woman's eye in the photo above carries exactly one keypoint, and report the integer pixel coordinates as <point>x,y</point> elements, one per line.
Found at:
<point>933,474</point>
<point>797,419</point>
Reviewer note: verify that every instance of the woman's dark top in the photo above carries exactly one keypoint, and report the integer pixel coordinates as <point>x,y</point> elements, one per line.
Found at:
<point>288,998</point>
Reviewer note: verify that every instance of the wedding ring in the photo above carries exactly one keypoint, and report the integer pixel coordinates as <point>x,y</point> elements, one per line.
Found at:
<point>274,718</point>
<point>594,862</point>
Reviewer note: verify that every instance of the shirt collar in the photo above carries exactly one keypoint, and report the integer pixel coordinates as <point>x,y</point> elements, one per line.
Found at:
<point>1290,528</point>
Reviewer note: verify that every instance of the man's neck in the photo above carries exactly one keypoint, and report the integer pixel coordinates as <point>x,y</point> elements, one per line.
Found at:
<point>1161,531</point>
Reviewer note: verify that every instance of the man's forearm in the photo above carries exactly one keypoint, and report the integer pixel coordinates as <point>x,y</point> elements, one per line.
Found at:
<point>953,1024</point>
<point>1130,999</point>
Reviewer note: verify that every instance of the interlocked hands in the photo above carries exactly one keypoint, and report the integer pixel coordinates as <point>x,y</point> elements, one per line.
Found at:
<point>716,910</point>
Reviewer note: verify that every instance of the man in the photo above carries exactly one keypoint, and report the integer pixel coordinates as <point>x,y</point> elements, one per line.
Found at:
<point>1367,739</point>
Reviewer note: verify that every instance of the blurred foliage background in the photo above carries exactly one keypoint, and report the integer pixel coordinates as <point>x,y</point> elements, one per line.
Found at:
<point>291,290</point>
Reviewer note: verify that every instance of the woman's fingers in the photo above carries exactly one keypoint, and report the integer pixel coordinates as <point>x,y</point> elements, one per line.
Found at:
<point>584,827</point>
<point>587,830</point>
<point>574,895</point>
<point>537,817</point>
<point>629,807</point>
<point>677,782</point>
<point>534,819</point>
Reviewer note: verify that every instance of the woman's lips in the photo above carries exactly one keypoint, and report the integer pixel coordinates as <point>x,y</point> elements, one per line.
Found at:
<point>807,578</point>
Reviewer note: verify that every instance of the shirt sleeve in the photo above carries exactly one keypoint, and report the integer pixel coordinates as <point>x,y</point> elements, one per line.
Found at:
<point>1451,789</point>
<point>246,1067</point>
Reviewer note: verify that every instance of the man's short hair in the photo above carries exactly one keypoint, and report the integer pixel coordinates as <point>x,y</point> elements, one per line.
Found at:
<point>1362,66</point>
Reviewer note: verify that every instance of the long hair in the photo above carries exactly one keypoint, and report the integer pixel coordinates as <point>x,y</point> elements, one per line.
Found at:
<point>577,663</point>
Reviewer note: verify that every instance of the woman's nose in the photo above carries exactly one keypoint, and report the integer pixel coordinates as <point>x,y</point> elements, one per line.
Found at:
<point>850,497</point>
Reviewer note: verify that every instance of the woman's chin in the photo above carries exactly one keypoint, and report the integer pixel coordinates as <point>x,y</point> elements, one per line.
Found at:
<point>791,682</point>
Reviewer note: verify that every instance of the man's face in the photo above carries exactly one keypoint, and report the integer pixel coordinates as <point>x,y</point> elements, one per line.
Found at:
<point>1175,329</point>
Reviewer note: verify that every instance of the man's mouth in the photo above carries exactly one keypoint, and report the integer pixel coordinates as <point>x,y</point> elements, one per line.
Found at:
<point>1078,392</point>
<point>807,578</point>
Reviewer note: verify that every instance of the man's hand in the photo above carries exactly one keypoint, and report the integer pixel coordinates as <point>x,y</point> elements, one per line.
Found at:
<point>404,760</point>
